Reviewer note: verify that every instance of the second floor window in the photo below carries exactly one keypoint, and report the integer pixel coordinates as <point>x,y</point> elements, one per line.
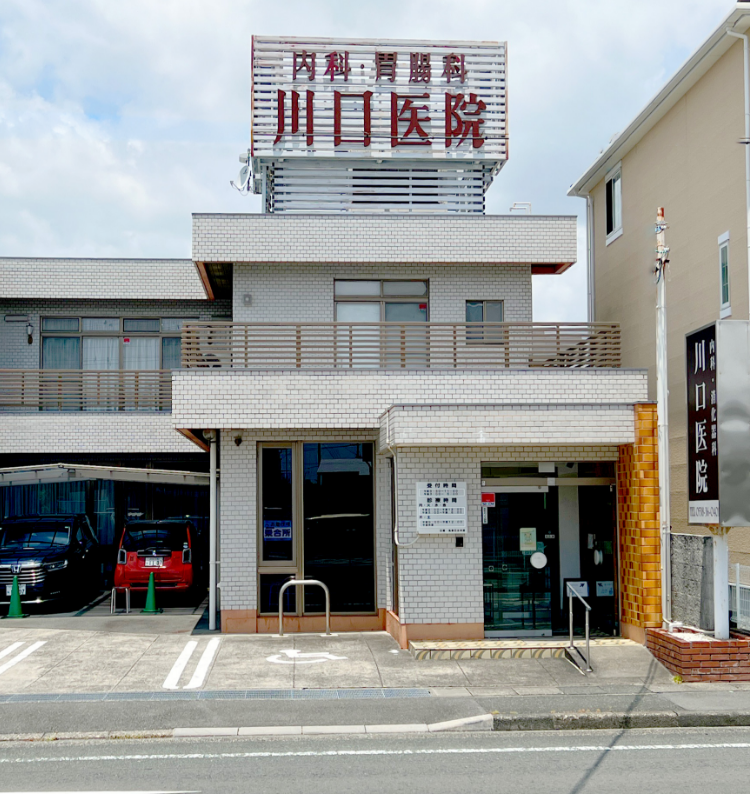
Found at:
<point>111,343</point>
<point>381,301</point>
<point>726,303</point>
<point>614,204</point>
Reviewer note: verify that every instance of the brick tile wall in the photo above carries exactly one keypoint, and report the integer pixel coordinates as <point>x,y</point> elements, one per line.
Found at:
<point>638,521</point>
<point>90,432</point>
<point>356,398</point>
<point>386,237</point>
<point>439,583</point>
<point>105,279</point>
<point>16,353</point>
<point>301,293</point>
<point>507,424</point>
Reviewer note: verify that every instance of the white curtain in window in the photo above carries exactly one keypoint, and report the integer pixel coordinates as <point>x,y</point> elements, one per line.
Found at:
<point>141,353</point>
<point>101,352</point>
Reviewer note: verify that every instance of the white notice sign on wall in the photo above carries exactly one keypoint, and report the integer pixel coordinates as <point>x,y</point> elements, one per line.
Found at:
<point>441,507</point>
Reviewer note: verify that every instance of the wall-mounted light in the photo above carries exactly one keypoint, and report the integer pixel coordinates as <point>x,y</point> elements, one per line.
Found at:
<point>238,440</point>
<point>29,333</point>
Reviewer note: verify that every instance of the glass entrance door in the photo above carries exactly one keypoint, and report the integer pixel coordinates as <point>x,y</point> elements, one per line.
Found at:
<point>317,522</point>
<point>517,527</point>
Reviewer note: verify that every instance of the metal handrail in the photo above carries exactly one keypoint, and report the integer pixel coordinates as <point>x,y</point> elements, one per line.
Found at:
<point>398,345</point>
<point>303,582</point>
<point>24,390</point>
<point>571,646</point>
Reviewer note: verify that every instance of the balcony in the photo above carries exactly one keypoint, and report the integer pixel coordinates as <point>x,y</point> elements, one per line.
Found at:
<point>400,346</point>
<point>29,390</point>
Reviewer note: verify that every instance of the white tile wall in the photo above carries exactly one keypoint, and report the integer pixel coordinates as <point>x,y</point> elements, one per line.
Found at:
<point>90,432</point>
<point>468,425</point>
<point>16,353</point>
<point>438,582</point>
<point>356,398</point>
<point>386,237</point>
<point>105,279</point>
<point>304,293</point>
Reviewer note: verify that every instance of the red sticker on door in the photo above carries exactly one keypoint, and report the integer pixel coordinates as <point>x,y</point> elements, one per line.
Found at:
<point>488,499</point>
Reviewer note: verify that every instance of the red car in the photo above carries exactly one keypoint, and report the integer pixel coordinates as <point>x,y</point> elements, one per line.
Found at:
<point>164,548</point>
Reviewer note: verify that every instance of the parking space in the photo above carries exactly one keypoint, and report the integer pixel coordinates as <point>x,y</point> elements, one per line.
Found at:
<point>36,660</point>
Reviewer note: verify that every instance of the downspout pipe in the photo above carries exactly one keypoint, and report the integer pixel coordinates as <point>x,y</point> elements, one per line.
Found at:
<point>590,258</point>
<point>746,141</point>
<point>210,436</point>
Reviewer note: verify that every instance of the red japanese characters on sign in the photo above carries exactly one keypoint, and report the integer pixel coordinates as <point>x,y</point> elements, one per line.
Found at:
<point>409,100</point>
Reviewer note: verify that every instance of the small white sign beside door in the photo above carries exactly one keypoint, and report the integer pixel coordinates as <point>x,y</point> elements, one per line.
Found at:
<point>605,589</point>
<point>441,507</point>
<point>527,539</point>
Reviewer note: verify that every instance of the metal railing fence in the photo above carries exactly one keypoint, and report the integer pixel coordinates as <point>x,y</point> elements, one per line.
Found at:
<point>391,345</point>
<point>26,390</point>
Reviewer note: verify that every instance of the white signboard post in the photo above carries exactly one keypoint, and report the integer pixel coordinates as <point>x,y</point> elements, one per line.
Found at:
<point>441,507</point>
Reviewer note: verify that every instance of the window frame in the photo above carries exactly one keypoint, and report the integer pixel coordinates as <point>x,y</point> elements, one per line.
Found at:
<point>612,176</point>
<point>475,333</point>
<point>725,307</point>
<point>119,334</point>
<point>382,298</point>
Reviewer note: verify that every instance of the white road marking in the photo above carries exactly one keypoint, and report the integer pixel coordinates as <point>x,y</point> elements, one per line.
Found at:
<point>627,748</point>
<point>172,680</point>
<point>7,651</point>
<point>295,656</point>
<point>21,656</point>
<point>203,665</point>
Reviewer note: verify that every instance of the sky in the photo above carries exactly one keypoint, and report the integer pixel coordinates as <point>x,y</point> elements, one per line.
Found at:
<point>119,118</point>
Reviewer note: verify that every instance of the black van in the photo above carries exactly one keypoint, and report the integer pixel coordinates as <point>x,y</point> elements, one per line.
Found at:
<point>54,557</point>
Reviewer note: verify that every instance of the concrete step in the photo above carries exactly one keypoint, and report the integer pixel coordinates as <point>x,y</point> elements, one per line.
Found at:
<point>533,648</point>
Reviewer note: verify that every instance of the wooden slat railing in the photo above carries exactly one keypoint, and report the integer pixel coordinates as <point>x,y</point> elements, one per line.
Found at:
<point>85,390</point>
<point>399,345</point>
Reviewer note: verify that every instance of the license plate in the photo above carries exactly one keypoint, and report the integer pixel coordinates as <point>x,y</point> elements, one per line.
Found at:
<point>9,589</point>
<point>154,562</point>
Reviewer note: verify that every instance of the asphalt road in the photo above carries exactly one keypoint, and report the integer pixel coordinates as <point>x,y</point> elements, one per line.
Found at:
<point>686,760</point>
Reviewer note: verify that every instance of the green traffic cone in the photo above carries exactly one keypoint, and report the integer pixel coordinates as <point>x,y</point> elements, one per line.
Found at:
<point>150,608</point>
<point>14,610</point>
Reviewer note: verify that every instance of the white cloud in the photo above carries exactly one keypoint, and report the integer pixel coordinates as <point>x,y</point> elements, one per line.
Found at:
<point>119,119</point>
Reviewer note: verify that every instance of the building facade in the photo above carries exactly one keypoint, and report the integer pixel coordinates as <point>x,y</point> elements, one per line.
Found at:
<point>683,152</point>
<point>361,361</point>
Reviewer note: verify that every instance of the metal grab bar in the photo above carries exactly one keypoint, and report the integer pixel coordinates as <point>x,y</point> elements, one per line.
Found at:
<point>303,582</point>
<point>571,646</point>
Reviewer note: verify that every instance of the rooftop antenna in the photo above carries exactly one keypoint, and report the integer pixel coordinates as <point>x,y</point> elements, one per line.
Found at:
<point>521,206</point>
<point>242,185</point>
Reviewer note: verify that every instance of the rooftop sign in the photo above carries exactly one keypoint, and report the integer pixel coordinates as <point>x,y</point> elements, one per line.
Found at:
<point>368,99</point>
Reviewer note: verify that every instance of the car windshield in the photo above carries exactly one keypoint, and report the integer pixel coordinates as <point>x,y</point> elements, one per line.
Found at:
<point>25,537</point>
<point>154,536</point>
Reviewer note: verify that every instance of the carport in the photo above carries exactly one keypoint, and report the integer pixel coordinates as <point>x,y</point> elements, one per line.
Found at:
<point>49,473</point>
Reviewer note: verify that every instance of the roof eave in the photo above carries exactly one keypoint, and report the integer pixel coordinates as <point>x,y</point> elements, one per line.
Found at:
<point>685,78</point>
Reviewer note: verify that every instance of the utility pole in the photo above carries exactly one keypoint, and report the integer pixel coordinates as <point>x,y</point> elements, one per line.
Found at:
<point>662,413</point>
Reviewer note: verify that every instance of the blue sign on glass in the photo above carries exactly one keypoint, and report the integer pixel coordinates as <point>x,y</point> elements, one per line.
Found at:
<point>277,530</point>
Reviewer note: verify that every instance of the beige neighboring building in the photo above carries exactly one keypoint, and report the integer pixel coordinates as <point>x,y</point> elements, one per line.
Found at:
<point>683,152</point>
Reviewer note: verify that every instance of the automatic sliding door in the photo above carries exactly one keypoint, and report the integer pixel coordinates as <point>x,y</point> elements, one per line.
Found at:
<point>518,595</point>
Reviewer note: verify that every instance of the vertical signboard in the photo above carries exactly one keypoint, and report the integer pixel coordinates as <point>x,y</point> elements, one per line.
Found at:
<point>718,412</point>
<point>702,435</point>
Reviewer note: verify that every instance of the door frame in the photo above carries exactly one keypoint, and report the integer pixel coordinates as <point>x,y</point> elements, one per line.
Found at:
<point>296,567</point>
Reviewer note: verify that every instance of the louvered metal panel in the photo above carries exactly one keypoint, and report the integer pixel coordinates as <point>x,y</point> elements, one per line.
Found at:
<point>346,126</point>
<point>368,187</point>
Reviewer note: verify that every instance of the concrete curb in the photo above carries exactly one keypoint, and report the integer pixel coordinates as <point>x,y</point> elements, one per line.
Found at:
<point>482,722</point>
<point>617,720</point>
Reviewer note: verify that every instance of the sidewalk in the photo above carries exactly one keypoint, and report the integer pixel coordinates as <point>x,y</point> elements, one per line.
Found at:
<point>94,680</point>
